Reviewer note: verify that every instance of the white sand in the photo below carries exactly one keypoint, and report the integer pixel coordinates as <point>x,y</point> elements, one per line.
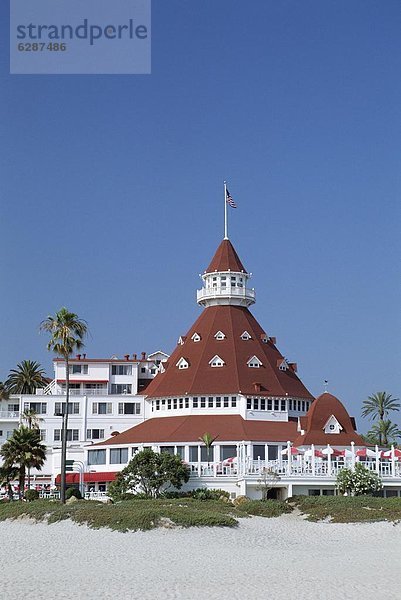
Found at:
<point>273,559</point>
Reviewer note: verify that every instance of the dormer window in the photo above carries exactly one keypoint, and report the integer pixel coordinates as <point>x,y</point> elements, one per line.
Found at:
<point>245,336</point>
<point>219,335</point>
<point>182,363</point>
<point>264,338</point>
<point>254,362</point>
<point>282,364</point>
<point>217,362</point>
<point>332,425</point>
<point>196,337</point>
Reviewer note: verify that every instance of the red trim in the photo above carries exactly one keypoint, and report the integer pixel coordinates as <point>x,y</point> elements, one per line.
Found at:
<point>88,477</point>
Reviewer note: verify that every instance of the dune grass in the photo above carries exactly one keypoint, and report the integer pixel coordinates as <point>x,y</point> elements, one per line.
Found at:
<point>143,514</point>
<point>357,509</point>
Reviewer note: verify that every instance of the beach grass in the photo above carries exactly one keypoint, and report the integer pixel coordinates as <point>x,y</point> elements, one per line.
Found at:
<point>348,509</point>
<point>143,514</point>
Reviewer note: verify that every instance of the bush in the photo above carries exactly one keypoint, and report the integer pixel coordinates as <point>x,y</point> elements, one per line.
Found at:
<point>73,492</point>
<point>206,494</point>
<point>358,481</point>
<point>31,495</point>
<point>240,500</point>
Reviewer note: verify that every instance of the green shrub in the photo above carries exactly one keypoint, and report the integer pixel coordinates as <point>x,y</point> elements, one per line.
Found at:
<point>207,494</point>
<point>31,495</point>
<point>71,491</point>
<point>358,481</point>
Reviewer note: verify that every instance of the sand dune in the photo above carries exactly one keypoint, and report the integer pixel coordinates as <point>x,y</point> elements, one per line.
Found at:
<point>285,558</point>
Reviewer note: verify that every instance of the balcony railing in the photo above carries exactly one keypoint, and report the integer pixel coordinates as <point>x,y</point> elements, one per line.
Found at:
<point>9,414</point>
<point>86,392</point>
<point>212,292</point>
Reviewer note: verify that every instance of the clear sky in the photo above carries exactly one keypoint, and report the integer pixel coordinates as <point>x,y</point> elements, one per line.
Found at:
<point>111,186</point>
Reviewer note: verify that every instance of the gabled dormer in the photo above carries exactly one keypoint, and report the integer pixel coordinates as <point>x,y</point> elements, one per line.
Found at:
<point>332,425</point>
<point>182,363</point>
<point>254,362</point>
<point>216,361</point>
<point>196,337</point>
<point>219,335</point>
<point>282,364</point>
<point>246,336</point>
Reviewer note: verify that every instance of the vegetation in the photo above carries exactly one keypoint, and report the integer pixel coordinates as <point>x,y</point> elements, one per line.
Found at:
<point>31,495</point>
<point>26,378</point>
<point>67,332</point>
<point>151,473</point>
<point>347,509</point>
<point>358,481</point>
<point>23,450</point>
<point>71,491</point>
<point>143,514</point>
<point>4,393</point>
<point>378,406</point>
<point>8,473</point>
<point>208,440</point>
<point>386,431</point>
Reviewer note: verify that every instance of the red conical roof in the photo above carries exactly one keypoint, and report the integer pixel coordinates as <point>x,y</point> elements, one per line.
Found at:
<point>226,259</point>
<point>316,418</point>
<point>200,378</point>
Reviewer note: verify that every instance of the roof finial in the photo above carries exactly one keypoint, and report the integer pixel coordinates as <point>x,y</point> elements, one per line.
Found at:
<point>326,383</point>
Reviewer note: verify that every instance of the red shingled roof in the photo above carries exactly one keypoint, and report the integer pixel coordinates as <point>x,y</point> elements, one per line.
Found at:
<point>226,259</point>
<point>235,376</point>
<point>228,428</point>
<point>317,416</point>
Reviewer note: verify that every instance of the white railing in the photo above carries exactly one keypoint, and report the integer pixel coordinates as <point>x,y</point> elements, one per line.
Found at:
<point>49,495</point>
<point>102,496</point>
<point>211,292</point>
<point>9,414</point>
<point>86,392</point>
<point>49,390</point>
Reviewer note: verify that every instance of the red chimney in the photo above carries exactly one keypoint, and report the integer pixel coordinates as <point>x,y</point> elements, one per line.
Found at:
<point>78,356</point>
<point>134,356</point>
<point>126,356</point>
<point>143,355</point>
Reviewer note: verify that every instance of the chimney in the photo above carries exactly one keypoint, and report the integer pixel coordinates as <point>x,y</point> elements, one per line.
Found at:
<point>126,356</point>
<point>257,387</point>
<point>78,356</point>
<point>84,356</point>
<point>143,355</point>
<point>134,356</point>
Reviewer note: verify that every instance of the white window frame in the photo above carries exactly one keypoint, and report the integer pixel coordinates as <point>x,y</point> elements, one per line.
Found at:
<point>216,362</point>
<point>219,335</point>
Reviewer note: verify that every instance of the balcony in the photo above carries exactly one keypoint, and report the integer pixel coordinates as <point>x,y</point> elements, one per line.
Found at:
<point>11,415</point>
<point>244,296</point>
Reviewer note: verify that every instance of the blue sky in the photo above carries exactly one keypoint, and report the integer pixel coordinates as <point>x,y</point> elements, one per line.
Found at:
<point>111,186</point>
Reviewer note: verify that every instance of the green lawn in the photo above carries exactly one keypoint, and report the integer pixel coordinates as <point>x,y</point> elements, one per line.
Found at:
<point>143,514</point>
<point>347,509</point>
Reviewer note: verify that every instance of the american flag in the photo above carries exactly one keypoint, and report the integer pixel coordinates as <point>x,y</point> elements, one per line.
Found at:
<point>229,199</point>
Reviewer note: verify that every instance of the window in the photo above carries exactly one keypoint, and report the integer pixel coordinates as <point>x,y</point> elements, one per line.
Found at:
<point>195,402</point>
<point>207,454</point>
<point>72,435</point>
<point>193,454</point>
<point>245,336</point>
<point>121,388</point>
<point>225,401</point>
<point>283,405</point>
<point>42,433</point>
<point>273,452</point>
<point>249,403</point>
<point>13,408</point>
<point>276,405</point>
<point>129,408</point>
<point>228,452</point>
<point>256,404</point>
<point>102,408</point>
<point>143,370</point>
<point>180,451</point>
<point>38,407</point>
<point>303,405</point>
<point>168,449</point>
<point>157,404</point>
<point>121,369</point>
<point>196,337</point>
<point>327,492</point>
<point>233,401</point>
<point>216,362</point>
<point>219,335</point>
<point>9,434</point>
<point>96,457</point>
<point>182,364</point>
<point>1,433</point>
<point>218,401</point>
<point>203,402</point>
<point>269,404</point>
<point>74,369</point>
<point>163,404</point>
<point>290,404</point>
<point>210,402</point>
<point>118,456</point>
<point>95,434</point>
<point>169,404</point>
<point>181,402</point>
<point>254,362</point>
<point>263,404</point>
<point>258,452</point>
<point>175,403</point>
<point>186,402</point>
<point>60,408</point>
<point>313,492</point>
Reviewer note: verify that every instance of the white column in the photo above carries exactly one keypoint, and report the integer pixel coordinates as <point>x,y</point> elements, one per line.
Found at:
<point>313,458</point>
<point>199,461</point>
<point>392,461</point>
<point>353,454</point>
<point>266,454</point>
<point>289,458</point>
<point>328,460</point>
<point>377,459</point>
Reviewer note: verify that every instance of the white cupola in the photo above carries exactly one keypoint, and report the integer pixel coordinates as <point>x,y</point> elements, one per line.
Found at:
<point>225,280</point>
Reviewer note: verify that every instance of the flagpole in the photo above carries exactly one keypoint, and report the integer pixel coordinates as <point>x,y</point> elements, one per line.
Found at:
<point>225,211</point>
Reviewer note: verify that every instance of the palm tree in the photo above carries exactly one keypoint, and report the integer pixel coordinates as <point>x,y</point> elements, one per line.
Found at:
<point>24,450</point>
<point>208,440</point>
<point>378,406</point>
<point>67,332</point>
<point>384,433</point>
<point>7,474</point>
<point>4,393</point>
<point>32,420</point>
<point>26,378</point>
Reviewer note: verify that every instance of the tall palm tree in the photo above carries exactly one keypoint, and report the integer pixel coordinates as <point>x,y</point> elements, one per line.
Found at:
<point>32,419</point>
<point>208,440</point>
<point>67,333</point>
<point>384,433</point>
<point>24,450</point>
<point>26,378</point>
<point>378,406</point>
<point>7,474</point>
<point>4,393</point>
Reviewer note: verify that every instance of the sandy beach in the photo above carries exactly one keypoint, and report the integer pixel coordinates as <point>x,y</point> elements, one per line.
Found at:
<point>282,558</point>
